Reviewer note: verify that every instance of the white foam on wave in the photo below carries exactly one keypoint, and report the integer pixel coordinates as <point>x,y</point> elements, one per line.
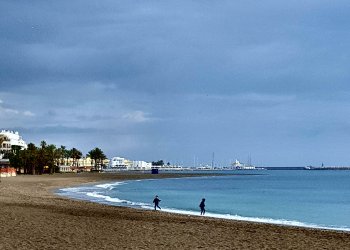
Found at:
<point>71,189</point>
<point>110,186</point>
<point>74,190</point>
<point>257,219</point>
<point>114,200</point>
<point>105,197</point>
<point>99,197</point>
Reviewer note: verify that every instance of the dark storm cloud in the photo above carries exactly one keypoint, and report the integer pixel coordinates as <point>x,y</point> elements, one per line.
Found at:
<point>184,47</point>
<point>159,72</point>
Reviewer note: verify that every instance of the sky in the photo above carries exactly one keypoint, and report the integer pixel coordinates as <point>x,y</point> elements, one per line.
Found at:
<point>180,80</point>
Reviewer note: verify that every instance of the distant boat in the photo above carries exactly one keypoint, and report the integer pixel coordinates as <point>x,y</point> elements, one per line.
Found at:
<point>327,168</point>
<point>236,165</point>
<point>204,168</point>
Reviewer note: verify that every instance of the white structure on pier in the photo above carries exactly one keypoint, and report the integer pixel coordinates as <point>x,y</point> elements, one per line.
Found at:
<point>120,163</point>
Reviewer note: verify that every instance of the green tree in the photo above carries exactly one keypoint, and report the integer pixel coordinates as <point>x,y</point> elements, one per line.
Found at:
<point>158,163</point>
<point>67,154</point>
<point>32,159</point>
<point>76,155</point>
<point>25,159</point>
<point>43,144</point>
<point>42,158</point>
<point>62,155</point>
<point>14,156</point>
<point>47,158</point>
<point>52,158</point>
<point>97,156</point>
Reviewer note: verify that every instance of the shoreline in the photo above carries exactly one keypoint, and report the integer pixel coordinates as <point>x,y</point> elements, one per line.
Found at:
<point>103,200</point>
<point>36,218</point>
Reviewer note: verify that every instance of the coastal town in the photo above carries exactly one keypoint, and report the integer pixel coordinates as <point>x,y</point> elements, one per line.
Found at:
<point>16,156</point>
<point>62,160</point>
<point>13,147</point>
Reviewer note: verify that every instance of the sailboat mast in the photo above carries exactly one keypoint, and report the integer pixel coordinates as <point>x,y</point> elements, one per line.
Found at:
<point>212,161</point>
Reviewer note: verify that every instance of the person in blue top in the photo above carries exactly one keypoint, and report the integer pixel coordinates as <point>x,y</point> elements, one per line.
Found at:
<point>156,202</point>
<point>202,206</point>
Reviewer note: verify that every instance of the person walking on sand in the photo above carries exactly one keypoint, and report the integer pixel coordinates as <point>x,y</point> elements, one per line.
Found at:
<point>156,202</point>
<point>202,206</point>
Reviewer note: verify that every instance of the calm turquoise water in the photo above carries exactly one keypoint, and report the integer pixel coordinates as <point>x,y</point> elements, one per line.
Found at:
<point>319,199</point>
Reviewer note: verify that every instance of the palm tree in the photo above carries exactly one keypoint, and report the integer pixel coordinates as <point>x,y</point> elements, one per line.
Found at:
<point>47,157</point>
<point>52,157</point>
<point>16,160</point>
<point>32,161</point>
<point>62,153</point>
<point>42,157</point>
<point>76,155</point>
<point>67,154</point>
<point>98,156</point>
<point>43,144</point>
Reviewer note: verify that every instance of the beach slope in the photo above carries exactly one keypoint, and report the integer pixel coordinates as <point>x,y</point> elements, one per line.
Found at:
<point>33,217</point>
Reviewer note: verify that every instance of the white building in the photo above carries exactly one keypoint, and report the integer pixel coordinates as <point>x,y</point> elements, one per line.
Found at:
<point>120,163</point>
<point>65,169</point>
<point>12,139</point>
<point>141,165</point>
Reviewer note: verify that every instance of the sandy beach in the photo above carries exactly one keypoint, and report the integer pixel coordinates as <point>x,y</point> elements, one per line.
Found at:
<point>33,217</point>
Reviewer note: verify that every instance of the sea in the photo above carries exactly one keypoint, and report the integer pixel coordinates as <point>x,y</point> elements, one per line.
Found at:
<point>304,198</point>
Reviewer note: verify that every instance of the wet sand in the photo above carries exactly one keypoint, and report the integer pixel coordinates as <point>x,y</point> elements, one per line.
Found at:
<point>33,217</point>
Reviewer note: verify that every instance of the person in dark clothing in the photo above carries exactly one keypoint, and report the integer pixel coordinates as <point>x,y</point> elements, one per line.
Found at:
<point>202,206</point>
<point>156,202</point>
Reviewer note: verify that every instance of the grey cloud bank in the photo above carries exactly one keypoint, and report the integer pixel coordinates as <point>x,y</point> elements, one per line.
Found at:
<point>176,80</point>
